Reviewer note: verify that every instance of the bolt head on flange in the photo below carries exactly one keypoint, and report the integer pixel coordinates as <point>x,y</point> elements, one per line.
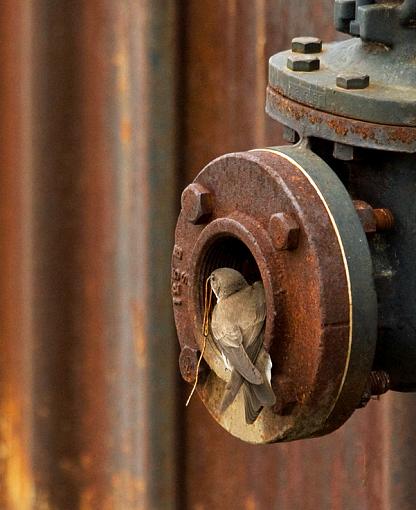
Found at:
<point>301,63</point>
<point>306,45</point>
<point>284,231</point>
<point>353,81</point>
<point>196,203</point>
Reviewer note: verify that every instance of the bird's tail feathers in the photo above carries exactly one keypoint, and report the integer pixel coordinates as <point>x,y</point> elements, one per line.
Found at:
<point>264,393</point>
<point>252,406</point>
<point>231,390</point>
<point>256,396</point>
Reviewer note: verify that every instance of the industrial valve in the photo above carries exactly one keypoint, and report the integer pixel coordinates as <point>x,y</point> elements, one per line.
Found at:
<point>327,225</point>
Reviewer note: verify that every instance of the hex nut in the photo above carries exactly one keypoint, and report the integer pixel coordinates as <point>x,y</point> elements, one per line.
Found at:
<point>306,45</point>
<point>373,220</point>
<point>284,231</point>
<point>196,203</point>
<point>353,81</point>
<point>303,63</point>
<point>367,217</point>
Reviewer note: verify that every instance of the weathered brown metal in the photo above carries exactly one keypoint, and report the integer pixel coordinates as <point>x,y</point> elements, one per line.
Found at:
<point>384,218</point>
<point>369,463</point>
<point>373,219</point>
<point>196,203</point>
<point>310,122</point>
<point>271,220</point>
<point>87,378</point>
<point>17,477</point>
<point>284,231</point>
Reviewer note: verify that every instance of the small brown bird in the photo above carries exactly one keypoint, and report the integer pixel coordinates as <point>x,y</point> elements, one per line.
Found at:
<point>237,328</point>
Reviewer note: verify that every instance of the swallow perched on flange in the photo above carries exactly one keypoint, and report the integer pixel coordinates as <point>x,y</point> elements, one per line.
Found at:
<point>237,327</point>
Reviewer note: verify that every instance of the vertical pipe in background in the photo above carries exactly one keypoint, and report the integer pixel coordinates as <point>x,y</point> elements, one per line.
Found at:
<point>399,459</point>
<point>16,475</point>
<point>157,79</point>
<point>88,385</point>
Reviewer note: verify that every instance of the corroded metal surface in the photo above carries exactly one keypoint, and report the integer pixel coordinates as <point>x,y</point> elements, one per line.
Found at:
<point>85,317</point>
<point>17,476</point>
<point>320,352</point>
<point>310,122</point>
<point>388,180</point>
<point>369,463</point>
<point>353,79</point>
<point>349,469</point>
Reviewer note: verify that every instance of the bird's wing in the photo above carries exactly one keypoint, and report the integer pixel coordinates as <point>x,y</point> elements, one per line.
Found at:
<point>242,363</point>
<point>258,290</point>
<point>253,339</point>
<point>231,390</point>
<point>230,340</point>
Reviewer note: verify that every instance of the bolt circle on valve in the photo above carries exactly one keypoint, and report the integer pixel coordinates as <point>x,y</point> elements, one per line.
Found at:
<point>196,203</point>
<point>284,231</point>
<point>281,216</point>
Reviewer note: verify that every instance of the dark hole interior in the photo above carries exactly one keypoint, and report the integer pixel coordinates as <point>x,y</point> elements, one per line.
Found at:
<point>227,251</point>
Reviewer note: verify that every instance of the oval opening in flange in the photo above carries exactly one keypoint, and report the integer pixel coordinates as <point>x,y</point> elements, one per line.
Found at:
<point>230,242</point>
<point>222,250</point>
<point>225,251</point>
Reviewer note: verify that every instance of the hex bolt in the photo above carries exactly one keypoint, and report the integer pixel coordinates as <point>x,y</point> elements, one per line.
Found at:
<point>353,81</point>
<point>306,45</point>
<point>284,231</point>
<point>367,217</point>
<point>303,63</point>
<point>373,220</point>
<point>384,219</point>
<point>188,361</point>
<point>378,383</point>
<point>196,203</point>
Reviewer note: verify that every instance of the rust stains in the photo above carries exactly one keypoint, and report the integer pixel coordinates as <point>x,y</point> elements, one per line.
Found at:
<point>139,332</point>
<point>313,122</point>
<point>15,462</point>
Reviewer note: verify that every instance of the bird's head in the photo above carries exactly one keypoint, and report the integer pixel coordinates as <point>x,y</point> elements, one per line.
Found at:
<point>226,281</point>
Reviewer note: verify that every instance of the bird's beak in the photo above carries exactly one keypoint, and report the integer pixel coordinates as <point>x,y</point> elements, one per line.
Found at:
<point>212,288</point>
<point>209,279</point>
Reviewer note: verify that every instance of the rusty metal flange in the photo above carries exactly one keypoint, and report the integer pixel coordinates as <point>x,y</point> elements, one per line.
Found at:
<point>283,216</point>
<point>386,96</point>
<point>308,121</point>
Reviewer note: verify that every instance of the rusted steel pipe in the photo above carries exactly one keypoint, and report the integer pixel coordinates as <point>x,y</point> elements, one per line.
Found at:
<point>86,90</point>
<point>17,477</point>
